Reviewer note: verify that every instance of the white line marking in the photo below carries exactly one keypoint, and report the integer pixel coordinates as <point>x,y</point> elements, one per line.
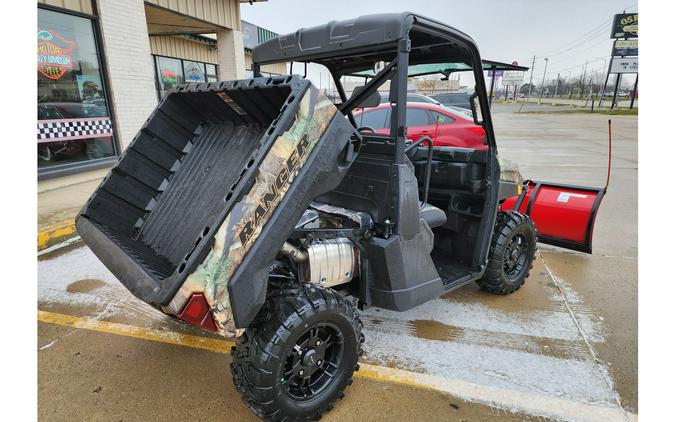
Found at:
<point>531,403</point>
<point>60,245</point>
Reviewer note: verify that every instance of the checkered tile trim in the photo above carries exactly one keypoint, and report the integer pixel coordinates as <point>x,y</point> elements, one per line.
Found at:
<point>69,129</point>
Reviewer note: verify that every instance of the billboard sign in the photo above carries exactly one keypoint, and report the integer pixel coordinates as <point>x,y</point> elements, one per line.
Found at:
<point>624,65</point>
<point>512,78</point>
<point>625,48</point>
<point>497,73</point>
<point>625,25</point>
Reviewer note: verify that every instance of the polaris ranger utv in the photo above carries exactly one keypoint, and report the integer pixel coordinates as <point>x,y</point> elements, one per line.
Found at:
<point>260,209</point>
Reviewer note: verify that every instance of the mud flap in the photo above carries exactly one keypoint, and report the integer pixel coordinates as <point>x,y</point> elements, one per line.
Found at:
<point>563,214</point>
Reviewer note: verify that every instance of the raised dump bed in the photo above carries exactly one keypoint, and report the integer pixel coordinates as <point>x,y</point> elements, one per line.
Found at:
<point>209,152</point>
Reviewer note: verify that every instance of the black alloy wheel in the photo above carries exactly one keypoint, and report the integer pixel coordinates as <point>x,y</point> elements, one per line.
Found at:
<point>314,361</point>
<point>299,355</point>
<point>515,257</point>
<point>512,253</point>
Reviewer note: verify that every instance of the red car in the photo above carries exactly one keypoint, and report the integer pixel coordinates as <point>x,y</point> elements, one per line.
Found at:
<point>445,127</point>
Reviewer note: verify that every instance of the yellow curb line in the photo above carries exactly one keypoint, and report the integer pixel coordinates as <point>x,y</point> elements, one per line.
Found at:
<point>373,372</point>
<point>170,337</point>
<point>535,404</point>
<point>55,233</point>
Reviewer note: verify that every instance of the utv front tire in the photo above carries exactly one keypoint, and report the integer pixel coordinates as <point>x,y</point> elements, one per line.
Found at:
<point>299,356</point>
<point>512,250</point>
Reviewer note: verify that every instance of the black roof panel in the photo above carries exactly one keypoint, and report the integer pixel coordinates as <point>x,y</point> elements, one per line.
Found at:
<point>354,44</point>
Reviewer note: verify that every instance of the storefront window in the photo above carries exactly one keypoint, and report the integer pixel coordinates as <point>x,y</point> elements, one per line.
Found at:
<point>172,72</point>
<point>211,75</point>
<point>74,124</point>
<point>194,72</point>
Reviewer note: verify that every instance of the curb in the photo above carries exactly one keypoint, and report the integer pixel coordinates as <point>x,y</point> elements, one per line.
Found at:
<point>55,233</point>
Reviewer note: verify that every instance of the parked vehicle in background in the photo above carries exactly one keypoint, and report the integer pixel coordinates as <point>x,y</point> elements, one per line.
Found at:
<point>414,98</point>
<point>421,98</point>
<point>444,126</point>
<point>456,99</point>
<point>459,110</point>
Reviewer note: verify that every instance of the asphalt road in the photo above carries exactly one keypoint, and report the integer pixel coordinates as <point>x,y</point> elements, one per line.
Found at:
<point>564,347</point>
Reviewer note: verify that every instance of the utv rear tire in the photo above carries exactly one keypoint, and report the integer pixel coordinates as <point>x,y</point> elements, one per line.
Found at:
<point>287,339</point>
<point>512,253</point>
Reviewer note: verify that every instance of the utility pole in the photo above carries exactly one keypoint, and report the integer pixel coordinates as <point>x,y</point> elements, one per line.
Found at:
<point>582,82</point>
<point>529,90</point>
<point>557,82</point>
<point>541,88</point>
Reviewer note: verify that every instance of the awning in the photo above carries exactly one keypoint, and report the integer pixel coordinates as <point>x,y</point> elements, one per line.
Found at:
<point>447,68</point>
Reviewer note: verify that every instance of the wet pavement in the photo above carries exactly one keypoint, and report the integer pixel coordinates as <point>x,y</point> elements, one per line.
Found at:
<point>564,347</point>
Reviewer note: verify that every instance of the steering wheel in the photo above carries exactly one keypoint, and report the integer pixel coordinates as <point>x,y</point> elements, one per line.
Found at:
<point>366,128</point>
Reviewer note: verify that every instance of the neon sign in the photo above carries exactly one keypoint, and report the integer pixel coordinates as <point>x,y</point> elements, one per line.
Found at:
<point>53,59</point>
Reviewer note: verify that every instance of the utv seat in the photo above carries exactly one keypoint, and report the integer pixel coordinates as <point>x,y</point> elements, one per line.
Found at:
<point>435,217</point>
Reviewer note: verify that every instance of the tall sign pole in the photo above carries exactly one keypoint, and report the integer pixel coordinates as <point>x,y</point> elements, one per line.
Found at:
<point>604,86</point>
<point>634,93</point>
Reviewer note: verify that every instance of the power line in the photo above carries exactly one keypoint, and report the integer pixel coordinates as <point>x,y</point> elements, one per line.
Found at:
<point>577,66</point>
<point>582,43</point>
<point>553,51</point>
<point>593,32</point>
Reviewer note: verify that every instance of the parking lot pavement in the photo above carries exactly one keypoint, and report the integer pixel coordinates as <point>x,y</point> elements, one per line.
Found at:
<point>564,346</point>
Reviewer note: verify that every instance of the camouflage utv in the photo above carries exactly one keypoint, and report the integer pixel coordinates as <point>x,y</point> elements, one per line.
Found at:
<point>262,209</point>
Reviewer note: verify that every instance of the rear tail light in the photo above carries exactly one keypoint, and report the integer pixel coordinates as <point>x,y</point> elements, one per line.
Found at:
<point>478,130</point>
<point>198,312</point>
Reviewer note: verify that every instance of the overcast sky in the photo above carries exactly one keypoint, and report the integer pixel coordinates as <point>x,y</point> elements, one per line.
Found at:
<point>567,32</point>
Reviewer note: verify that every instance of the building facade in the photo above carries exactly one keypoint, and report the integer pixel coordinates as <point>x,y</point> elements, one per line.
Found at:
<point>103,65</point>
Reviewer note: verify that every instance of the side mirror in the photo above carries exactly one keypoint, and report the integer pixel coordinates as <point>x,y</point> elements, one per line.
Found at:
<point>372,101</point>
<point>475,109</point>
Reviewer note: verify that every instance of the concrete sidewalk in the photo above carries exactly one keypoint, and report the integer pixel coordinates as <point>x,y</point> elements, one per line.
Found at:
<point>58,205</point>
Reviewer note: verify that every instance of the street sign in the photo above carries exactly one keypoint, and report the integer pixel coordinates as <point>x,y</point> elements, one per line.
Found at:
<point>625,65</point>
<point>625,48</point>
<point>625,25</point>
<point>512,78</point>
<point>497,73</point>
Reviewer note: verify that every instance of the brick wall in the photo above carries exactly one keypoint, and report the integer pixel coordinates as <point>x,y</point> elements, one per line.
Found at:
<point>231,54</point>
<point>130,68</point>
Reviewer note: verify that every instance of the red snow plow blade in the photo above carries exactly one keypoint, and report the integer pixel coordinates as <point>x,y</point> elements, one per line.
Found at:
<point>564,214</point>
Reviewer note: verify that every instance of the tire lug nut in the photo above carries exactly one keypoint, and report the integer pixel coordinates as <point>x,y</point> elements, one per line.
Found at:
<point>302,372</point>
<point>318,342</point>
<point>318,363</point>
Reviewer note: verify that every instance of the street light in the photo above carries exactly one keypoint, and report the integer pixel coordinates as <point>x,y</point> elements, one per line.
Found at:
<point>541,89</point>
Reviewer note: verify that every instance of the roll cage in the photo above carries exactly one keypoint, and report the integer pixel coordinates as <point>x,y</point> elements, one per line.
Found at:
<point>400,40</point>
